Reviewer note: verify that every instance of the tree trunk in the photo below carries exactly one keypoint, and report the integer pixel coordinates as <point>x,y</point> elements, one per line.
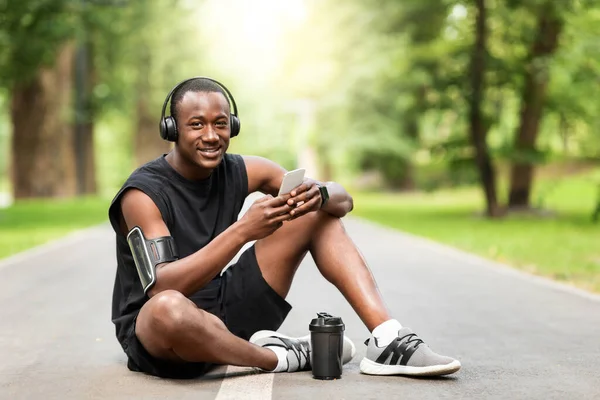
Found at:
<point>90,186</point>
<point>411,129</point>
<point>411,126</point>
<point>478,128</point>
<point>42,145</point>
<point>326,169</point>
<point>533,97</point>
<point>84,120</point>
<point>148,143</point>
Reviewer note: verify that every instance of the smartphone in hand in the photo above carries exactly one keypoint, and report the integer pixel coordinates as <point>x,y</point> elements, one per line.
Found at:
<point>290,180</point>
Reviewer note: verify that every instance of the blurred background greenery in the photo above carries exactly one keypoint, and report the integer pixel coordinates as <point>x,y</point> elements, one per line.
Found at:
<point>471,122</point>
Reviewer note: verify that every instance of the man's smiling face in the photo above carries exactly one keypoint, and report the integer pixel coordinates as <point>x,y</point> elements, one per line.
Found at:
<point>203,127</point>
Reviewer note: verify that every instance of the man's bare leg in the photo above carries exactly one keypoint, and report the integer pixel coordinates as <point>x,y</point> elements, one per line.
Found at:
<point>336,256</point>
<point>340,262</point>
<point>171,327</point>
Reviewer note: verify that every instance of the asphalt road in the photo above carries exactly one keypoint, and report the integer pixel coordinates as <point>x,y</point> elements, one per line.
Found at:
<point>517,337</point>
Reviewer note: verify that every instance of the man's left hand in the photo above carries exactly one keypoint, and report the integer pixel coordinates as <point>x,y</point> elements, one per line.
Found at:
<point>305,198</point>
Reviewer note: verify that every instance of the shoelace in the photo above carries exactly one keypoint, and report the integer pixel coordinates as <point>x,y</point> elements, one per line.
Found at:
<point>299,350</point>
<point>412,338</point>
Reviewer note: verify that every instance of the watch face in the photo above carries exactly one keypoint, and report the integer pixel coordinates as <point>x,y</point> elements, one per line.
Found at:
<point>324,193</point>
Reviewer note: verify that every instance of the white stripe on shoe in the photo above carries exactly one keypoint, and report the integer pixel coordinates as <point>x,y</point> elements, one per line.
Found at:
<point>374,368</point>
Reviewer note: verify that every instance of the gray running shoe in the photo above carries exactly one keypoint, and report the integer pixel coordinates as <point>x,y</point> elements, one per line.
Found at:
<point>298,348</point>
<point>405,355</point>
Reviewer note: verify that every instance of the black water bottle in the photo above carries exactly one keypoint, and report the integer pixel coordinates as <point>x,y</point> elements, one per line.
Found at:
<point>327,341</point>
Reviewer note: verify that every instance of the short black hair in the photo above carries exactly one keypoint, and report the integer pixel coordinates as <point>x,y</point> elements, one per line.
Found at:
<point>195,85</point>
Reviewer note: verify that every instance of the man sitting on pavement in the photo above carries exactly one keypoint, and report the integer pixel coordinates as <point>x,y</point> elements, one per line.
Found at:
<point>174,310</point>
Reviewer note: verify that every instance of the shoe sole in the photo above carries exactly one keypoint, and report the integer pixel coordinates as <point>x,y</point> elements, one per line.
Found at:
<point>372,368</point>
<point>347,342</point>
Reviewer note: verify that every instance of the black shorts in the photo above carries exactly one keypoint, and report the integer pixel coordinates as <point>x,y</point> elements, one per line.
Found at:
<point>241,298</point>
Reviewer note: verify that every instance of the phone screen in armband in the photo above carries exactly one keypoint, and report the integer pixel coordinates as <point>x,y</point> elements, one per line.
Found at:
<point>141,257</point>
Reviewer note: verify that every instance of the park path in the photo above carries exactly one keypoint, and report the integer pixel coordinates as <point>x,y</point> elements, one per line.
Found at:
<point>517,337</point>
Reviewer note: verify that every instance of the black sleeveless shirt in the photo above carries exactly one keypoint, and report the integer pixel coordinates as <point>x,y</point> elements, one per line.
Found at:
<point>194,211</point>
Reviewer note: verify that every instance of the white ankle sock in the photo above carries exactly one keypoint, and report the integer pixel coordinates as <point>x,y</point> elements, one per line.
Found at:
<point>386,332</point>
<point>282,362</point>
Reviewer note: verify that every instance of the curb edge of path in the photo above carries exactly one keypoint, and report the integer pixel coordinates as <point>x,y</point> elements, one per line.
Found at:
<point>71,238</point>
<point>473,259</point>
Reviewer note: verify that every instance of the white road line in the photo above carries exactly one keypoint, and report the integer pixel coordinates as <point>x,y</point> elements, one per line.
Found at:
<point>247,385</point>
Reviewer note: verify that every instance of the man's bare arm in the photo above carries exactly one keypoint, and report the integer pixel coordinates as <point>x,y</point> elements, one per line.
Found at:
<point>266,176</point>
<point>263,175</point>
<point>189,274</point>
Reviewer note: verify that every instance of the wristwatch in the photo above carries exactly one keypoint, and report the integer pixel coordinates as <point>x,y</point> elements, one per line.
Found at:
<point>324,194</point>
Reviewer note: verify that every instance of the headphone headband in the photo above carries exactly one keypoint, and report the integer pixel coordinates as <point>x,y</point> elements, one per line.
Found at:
<point>231,100</point>
<point>168,125</point>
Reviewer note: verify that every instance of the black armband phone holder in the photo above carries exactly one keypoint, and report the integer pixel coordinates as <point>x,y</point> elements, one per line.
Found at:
<point>148,253</point>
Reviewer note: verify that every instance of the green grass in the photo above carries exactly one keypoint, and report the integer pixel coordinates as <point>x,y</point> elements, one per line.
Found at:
<point>30,223</point>
<point>564,245</point>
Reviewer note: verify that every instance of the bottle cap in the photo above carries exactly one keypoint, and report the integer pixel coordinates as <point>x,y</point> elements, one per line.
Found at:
<point>326,323</point>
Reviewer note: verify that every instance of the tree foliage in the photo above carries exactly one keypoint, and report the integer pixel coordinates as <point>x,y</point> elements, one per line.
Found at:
<point>31,34</point>
<point>126,54</point>
<point>385,86</point>
<point>405,90</point>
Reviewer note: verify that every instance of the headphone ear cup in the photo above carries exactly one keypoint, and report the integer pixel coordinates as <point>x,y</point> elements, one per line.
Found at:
<point>162,128</point>
<point>168,129</point>
<point>235,125</point>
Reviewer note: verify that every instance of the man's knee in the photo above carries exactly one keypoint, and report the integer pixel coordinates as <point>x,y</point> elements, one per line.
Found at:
<point>316,225</point>
<point>327,223</point>
<point>165,313</point>
<point>318,218</point>
<point>171,313</point>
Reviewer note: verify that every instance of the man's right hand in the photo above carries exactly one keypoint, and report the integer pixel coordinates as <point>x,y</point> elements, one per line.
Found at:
<point>265,216</point>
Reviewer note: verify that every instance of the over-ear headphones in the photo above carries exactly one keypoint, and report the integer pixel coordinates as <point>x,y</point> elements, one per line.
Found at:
<point>168,125</point>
